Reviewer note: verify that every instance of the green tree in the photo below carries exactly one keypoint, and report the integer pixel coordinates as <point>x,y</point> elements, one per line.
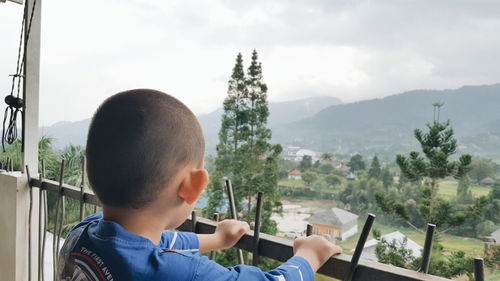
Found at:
<point>309,177</point>
<point>326,156</point>
<point>438,145</point>
<point>326,169</point>
<point>482,168</point>
<point>333,180</point>
<point>244,153</point>
<point>356,163</point>
<point>375,171</point>
<point>464,195</point>
<point>395,252</point>
<point>386,177</point>
<point>229,160</point>
<point>306,163</point>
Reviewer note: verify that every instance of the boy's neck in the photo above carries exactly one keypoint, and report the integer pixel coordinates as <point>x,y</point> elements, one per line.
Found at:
<point>139,222</point>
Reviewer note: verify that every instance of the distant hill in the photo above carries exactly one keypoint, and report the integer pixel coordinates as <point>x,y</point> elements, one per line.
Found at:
<point>65,133</point>
<point>385,126</point>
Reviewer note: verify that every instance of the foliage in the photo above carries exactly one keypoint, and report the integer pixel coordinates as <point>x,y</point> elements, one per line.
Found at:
<point>356,163</point>
<point>359,195</point>
<point>326,169</point>
<point>244,153</point>
<point>493,256</point>
<point>464,195</point>
<point>306,163</point>
<point>395,252</point>
<point>386,177</point>
<point>309,177</point>
<point>326,156</point>
<point>375,171</point>
<point>441,264</point>
<point>333,180</point>
<point>481,168</point>
<point>438,145</point>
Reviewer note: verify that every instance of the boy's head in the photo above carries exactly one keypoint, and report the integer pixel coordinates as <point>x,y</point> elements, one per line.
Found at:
<point>138,141</point>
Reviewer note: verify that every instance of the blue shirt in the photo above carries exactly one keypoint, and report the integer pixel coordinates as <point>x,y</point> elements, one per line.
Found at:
<point>100,250</point>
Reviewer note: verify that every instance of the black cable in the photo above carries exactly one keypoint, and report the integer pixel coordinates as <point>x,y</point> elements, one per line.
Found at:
<point>15,104</point>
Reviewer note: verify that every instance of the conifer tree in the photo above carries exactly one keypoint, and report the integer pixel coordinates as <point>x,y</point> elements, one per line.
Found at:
<point>244,153</point>
<point>374,171</point>
<point>438,145</point>
<point>230,139</point>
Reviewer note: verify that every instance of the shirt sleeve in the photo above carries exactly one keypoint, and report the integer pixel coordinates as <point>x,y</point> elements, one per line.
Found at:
<point>295,269</point>
<point>173,240</point>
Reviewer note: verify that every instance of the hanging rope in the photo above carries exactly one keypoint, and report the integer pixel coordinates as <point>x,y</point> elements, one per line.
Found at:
<point>15,104</point>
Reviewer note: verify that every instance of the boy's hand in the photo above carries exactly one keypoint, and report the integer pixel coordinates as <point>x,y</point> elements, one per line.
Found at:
<point>228,232</point>
<point>315,249</point>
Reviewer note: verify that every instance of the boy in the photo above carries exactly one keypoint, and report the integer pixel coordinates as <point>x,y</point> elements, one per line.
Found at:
<point>145,164</point>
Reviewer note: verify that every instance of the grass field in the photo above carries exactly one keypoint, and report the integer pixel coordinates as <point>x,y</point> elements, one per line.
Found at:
<point>471,246</point>
<point>448,189</point>
<point>291,183</point>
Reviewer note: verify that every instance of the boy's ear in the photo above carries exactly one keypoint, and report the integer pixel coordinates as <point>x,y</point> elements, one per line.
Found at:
<point>193,185</point>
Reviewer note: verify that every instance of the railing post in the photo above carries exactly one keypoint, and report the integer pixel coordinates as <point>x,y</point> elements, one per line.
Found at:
<point>232,208</point>
<point>256,229</point>
<point>360,246</point>
<point>213,253</point>
<point>193,221</point>
<point>82,191</point>
<point>426,255</point>
<point>478,269</point>
<point>58,220</point>
<point>309,229</point>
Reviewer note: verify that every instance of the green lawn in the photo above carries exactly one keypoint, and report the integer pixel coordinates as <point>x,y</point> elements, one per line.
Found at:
<point>448,189</point>
<point>291,183</point>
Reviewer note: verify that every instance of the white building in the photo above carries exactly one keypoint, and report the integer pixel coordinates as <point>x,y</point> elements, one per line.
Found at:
<point>295,153</point>
<point>369,249</point>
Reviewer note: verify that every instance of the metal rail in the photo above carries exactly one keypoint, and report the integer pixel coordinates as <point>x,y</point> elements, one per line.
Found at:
<point>266,245</point>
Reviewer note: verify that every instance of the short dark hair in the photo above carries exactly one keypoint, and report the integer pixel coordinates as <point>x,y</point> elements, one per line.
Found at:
<point>137,142</point>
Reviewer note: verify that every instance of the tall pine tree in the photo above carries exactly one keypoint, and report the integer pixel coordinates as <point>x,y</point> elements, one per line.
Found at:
<point>244,153</point>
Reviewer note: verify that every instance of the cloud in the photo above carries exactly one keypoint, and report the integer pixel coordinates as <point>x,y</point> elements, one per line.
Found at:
<point>350,49</point>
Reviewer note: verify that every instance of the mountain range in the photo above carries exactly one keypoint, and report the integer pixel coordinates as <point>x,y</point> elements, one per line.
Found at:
<point>66,132</point>
<point>379,126</point>
<point>385,126</point>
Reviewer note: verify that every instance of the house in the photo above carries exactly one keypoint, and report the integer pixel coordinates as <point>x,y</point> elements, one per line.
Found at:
<point>487,181</point>
<point>337,223</point>
<point>295,153</point>
<point>290,152</point>
<point>496,236</point>
<point>369,249</point>
<point>351,176</point>
<point>294,175</point>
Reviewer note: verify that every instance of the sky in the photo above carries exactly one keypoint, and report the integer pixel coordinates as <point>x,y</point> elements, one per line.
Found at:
<point>353,50</point>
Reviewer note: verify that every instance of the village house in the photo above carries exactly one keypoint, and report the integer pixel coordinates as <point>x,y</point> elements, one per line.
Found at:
<point>295,153</point>
<point>369,249</point>
<point>294,175</point>
<point>338,224</point>
<point>496,236</point>
<point>487,181</point>
<point>351,176</point>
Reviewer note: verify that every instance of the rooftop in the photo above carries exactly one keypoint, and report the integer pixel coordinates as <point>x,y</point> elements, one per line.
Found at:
<point>333,217</point>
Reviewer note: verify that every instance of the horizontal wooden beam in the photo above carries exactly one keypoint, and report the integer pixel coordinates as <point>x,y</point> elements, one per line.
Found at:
<point>273,247</point>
